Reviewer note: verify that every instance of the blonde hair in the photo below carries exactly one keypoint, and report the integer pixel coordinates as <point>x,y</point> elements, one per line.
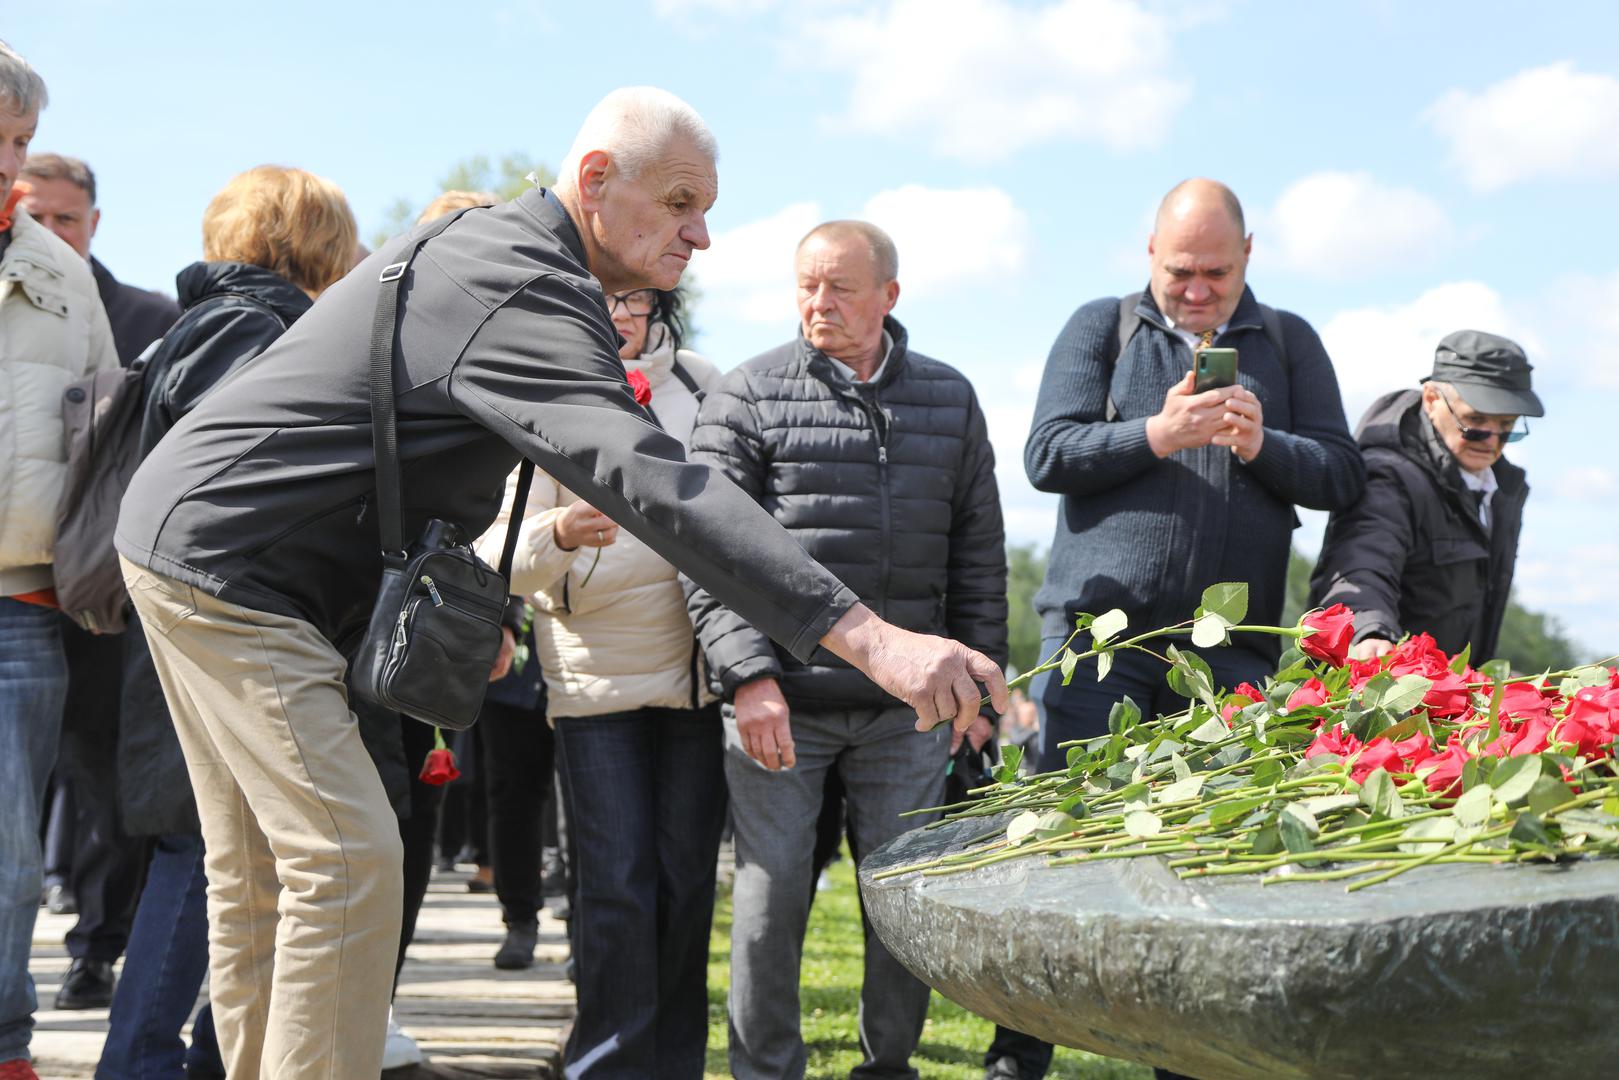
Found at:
<point>287,220</point>
<point>451,201</point>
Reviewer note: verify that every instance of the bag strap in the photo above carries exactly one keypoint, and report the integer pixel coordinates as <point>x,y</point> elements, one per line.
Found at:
<point>688,380</point>
<point>384,415</point>
<point>1129,322</point>
<point>1272,320</point>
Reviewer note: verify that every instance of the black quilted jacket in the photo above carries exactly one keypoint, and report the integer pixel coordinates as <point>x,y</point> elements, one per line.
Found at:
<point>890,485</point>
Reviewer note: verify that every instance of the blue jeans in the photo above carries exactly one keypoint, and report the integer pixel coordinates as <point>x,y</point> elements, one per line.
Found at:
<point>33,689</point>
<point>164,966</point>
<point>645,795</point>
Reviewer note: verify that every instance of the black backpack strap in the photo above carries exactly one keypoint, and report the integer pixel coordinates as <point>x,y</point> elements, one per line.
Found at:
<point>1272,320</point>
<point>687,380</point>
<point>508,551</point>
<point>1129,322</point>
<point>384,419</point>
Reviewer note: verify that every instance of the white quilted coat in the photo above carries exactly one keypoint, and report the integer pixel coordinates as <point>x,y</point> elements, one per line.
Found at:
<point>53,331</point>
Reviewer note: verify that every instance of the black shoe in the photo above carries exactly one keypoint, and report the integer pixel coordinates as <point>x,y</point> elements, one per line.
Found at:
<point>1004,1068</point>
<point>87,985</point>
<point>58,900</point>
<point>517,951</point>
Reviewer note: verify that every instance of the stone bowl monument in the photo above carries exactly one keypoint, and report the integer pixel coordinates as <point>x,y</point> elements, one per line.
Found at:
<point>1472,971</point>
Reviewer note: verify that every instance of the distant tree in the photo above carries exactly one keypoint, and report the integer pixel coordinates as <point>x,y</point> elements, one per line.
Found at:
<point>1026,569</point>
<point>508,179</point>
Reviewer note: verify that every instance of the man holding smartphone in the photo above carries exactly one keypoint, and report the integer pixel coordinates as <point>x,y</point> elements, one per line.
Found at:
<point>1166,489</point>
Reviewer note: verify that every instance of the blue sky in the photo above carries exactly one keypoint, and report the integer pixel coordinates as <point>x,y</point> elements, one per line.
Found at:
<point>1408,169</point>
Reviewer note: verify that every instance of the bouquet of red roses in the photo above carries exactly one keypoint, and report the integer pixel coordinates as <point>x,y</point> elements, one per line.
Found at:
<point>1334,769</point>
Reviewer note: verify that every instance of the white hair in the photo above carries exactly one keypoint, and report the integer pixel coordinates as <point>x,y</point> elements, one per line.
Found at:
<point>21,88</point>
<point>634,124</point>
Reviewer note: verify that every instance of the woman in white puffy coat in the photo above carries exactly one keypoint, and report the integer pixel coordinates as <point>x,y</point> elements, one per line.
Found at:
<point>638,741</point>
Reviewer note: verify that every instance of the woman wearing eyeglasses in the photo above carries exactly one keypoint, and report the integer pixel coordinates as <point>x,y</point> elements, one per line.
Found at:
<point>1431,545</point>
<point>638,740</point>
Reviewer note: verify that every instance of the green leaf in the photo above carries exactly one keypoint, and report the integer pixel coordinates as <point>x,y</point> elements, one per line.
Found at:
<point>1268,841</point>
<point>1473,808</point>
<point>1268,772</point>
<point>1136,793</point>
<point>1237,808</point>
<point>1055,823</point>
<point>1143,823</point>
<point>1298,828</point>
<point>1190,677</point>
<point>1228,599</point>
<point>1181,790</point>
<point>1074,806</point>
<point>1514,779</point>
<point>1458,663</point>
<point>1437,831</point>
<point>1209,631</point>
<point>1497,670</point>
<point>1124,715</point>
<point>1547,794</point>
<point>1011,758</point>
<point>1178,763</point>
<point>1377,794</point>
<point>1211,730</point>
<point>1104,664</point>
<point>1069,659</point>
<point>1292,657</point>
<point>1107,625</point>
<point>1407,694</point>
<point>1530,831</point>
<point>1590,822</point>
<point>1322,805</point>
<point>1083,621</point>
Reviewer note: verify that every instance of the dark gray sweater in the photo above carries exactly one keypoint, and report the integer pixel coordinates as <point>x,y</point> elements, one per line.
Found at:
<point>265,494</point>
<point>1149,535</point>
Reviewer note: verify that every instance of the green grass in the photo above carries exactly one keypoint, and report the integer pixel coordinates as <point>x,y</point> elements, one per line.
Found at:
<point>953,1041</point>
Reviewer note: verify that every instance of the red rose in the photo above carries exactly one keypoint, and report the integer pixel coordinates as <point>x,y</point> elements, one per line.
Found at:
<point>1412,652</point>
<point>1524,702</point>
<point>1311,693</point>
<point>1449,696</point>
<point>1361,671</point>
<point>439,767</point>
<point>1242,697</point>
<point>1380,753</point>
<point>1334,741</point>
<point>1330,631</point>
<point>1445,770</point>
<point>642,388</point>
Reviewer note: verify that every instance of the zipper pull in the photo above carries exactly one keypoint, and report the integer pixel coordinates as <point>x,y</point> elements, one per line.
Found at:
<point>400,640</point>
<point>432,590</point>
<point>882,454</point>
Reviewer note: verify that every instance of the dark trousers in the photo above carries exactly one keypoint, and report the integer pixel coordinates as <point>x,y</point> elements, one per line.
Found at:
<point>417,830</point>
<point>518,752</point>
<point>164,967</point>
<point>645,793</point>
<point>463,820</point>
<point>1079,711</point>
<point>107,865</point>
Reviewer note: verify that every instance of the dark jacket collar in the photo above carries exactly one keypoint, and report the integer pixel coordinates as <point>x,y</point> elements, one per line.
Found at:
<point>1245,317</point>
<point>820,365</point>
<point>203,280</point>
<point>1396,422</point>
<point>544,207</point>
<point>106,284</point>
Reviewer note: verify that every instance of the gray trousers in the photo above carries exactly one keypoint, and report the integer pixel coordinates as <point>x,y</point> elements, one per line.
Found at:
<point>886,768</point>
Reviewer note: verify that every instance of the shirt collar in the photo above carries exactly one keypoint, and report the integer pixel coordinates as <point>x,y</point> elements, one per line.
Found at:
<point>876,376</point>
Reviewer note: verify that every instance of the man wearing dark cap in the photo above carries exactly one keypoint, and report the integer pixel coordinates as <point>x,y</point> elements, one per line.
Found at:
<point>1431,545</point>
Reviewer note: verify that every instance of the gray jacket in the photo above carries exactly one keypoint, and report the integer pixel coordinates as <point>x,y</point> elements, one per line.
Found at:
<point>264,494</point>
<point>890,484</point>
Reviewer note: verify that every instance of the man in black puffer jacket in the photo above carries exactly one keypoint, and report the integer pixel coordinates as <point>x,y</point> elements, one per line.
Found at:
<point>878,461</point>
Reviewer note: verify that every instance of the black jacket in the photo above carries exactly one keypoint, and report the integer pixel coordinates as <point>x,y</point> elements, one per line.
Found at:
<point>1148,535</point>
<point>891,486</point>
<point>264,494</point>
<point>233,312</point>
<point>1411,556</point>
<point>138,317</point>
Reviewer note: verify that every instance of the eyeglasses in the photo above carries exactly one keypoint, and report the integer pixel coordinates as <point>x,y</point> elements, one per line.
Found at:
<point>637,303</point>
<point>1477,435</point>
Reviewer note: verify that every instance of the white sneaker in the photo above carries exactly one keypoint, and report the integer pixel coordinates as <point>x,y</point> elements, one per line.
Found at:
<point>399,1049</point>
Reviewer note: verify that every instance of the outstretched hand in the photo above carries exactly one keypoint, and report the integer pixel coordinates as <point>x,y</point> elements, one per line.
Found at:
<point>937,677</point>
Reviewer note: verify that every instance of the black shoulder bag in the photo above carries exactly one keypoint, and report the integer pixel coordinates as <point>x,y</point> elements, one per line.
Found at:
<point>434,633</point>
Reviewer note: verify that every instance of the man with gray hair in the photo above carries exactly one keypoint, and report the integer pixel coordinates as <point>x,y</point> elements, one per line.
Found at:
<point>106,865</point>
<point>53,331</point>
<point>877,459</point>
<point>251,545</point>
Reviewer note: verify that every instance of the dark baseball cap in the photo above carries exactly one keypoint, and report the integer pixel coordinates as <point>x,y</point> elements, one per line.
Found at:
<point>1490,372</point>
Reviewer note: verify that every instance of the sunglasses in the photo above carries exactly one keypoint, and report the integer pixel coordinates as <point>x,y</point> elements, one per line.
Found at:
<point>1478,435</point>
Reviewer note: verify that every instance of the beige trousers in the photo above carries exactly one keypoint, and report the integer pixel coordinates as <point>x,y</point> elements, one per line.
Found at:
<point>305,884</point>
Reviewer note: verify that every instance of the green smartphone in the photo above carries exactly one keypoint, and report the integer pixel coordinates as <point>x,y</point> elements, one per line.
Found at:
<point>1215,368</point>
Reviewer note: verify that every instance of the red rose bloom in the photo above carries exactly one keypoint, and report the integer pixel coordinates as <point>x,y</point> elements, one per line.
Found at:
<point>1311,693</point>
<point>1446,769</point>
<point>1334,741</point>
<point>1377,754</point>
<point>642,388</point>
<point>1361,671</point>
<point>1242,697</point>
<point>1523,702</point>
<point>439,767</point>
<point>1330,631</point>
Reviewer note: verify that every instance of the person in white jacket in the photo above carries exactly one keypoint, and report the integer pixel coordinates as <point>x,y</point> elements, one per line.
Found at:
<point>638,739</point>
<point>53,331</point>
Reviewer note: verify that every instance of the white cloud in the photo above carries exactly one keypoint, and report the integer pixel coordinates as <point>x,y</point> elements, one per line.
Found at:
<point>1583,482</point>
<point>1584,312</point>
<point>983,78</point>
<point>1375,350</point>
<point>747,273</point>
<point>1343,224</point>
<point>1545,122</point>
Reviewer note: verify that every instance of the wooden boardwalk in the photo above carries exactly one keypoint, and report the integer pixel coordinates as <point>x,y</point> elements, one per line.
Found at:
<point>471,1020</point>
